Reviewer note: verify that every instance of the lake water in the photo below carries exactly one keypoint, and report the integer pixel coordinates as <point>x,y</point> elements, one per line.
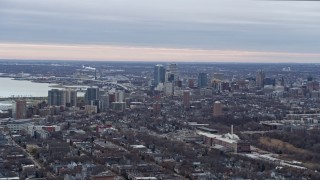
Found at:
<point>10,87</point>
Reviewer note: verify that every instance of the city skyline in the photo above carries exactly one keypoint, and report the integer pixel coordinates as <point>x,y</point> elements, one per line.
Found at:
<point>221,118</point>
<point>206,31</point>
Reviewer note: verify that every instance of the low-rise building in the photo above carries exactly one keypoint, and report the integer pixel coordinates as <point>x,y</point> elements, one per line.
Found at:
<point>228,142</point>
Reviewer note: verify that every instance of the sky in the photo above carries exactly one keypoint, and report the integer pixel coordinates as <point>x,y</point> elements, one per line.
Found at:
<point>161,30</point>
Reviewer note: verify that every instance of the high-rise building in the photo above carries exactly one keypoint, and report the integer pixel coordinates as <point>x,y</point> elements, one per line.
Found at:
<point>186,98</point>
<point>168,88</point>
<point>98,104</point>
<point>19,109</point>
<point>105,102</point>
<point>71,98</point>
<point>172,73</point>
<point>260,79</point>
<point>202,80</point>
<point>173,68</point>
<point>92,94</point>
<point>282,82</point>
<point>119,96</point>
<point>112,98</point>
<point>169,77</point>
<point>159,74</point>
<point>216,85</point>
<point>93,98</point>
<point>56,97</point>
<point>217,108</point>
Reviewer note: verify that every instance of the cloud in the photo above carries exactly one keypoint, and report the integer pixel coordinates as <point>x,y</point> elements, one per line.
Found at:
<point>206,24</point>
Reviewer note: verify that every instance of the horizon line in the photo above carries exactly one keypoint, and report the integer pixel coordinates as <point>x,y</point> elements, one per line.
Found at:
<point>125,53</point>
<point>153,62</point>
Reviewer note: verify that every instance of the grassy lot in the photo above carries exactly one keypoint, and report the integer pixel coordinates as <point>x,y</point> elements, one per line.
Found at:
<point>289,151</point>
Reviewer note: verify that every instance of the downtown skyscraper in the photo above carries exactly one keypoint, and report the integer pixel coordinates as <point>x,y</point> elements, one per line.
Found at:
<point>159,74</point>
<point>202,80</point>
<point>56,97</point>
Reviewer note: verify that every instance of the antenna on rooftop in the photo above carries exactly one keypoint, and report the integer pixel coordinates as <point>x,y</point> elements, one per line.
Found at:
<point>232,129</point>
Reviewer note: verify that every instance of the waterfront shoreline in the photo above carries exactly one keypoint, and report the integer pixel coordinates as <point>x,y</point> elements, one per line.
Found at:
<point>13,88</point>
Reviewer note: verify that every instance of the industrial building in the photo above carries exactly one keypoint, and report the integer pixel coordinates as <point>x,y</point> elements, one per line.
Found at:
<point>226,142</point>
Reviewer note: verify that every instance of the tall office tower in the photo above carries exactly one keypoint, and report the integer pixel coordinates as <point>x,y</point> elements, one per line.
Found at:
<point>217,108</point>
<point>112,98</point>
<point>169,77</point>
<point>282,82</point>
<point>172,73</point>
<point>260,79</point>
<point>98,104</point>
<point>119,96</point>
<point>71,98</point>
<point>202,80</point>
<point>216,85</point>
<point>92,94</point>
<point>105,102</point>
<point>186,98</point>
<point>56,97</point>
<point>19,109</point>
<point>159,74</point>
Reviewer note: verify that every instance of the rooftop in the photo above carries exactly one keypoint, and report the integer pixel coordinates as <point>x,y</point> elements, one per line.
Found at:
<point>230,138</point>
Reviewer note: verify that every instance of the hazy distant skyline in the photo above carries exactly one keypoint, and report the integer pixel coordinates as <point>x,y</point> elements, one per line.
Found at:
<point>166,30</point>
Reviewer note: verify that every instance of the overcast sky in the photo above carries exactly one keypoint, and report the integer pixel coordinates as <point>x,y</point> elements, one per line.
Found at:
<point>281,31</point>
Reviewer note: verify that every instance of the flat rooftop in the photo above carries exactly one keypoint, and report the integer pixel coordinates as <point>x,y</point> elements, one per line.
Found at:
<point>209,130</point>
<point>229,138</point>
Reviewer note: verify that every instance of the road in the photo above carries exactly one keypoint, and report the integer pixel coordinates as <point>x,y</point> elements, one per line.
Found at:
<point>35,162</point>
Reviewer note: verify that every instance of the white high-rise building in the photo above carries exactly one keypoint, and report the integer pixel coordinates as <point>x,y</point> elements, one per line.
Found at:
<point>119,96</point>
<point>168,88</point>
